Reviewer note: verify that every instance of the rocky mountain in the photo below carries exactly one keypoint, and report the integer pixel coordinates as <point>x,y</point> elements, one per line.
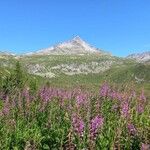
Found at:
<point>60,64</point>
<point>5,53</point>
<point>73,46</point>
<point>140,57</point>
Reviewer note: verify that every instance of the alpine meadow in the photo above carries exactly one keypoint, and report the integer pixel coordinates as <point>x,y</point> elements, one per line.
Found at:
<point>73,95</point>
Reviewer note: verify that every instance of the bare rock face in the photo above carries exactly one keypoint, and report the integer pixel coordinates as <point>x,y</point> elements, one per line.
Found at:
<point>140,57</point>
<point>74,46</point>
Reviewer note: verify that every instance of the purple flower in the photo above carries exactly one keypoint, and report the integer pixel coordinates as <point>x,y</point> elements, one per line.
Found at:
<point>6,110</point>
<point>125,109</point>
<point>81,99</point>
<point>104,90</point>
<point>6,107</point>
<point>131,129</point>
<point>140,109</point>
<point>119,97</point>
<point>113,94</point>
<point>67,95</point>
<point>26,95</point>
<point>133,94</point>
<point>78,125</point>
<point>145,146</point>
<point>46,94</point>
<point>142,96</point>
<point>95,124</point>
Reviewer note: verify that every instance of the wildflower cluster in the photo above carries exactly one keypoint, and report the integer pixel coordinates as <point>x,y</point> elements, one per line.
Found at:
<point>95,124</point>
<point>53,118</point>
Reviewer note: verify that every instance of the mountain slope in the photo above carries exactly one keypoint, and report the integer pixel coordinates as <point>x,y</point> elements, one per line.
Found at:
<point>56,65</point>
<point>136,73</point>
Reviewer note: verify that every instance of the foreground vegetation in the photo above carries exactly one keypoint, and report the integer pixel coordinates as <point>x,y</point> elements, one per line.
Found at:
<point>59,119</point>
<point>44,117</point>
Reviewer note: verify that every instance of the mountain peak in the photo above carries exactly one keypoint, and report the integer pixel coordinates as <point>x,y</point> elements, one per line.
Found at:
<point>75,46</point>
<point>77,38</point>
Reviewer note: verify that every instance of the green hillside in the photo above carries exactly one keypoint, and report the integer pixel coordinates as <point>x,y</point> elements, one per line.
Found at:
<point>87,71</point>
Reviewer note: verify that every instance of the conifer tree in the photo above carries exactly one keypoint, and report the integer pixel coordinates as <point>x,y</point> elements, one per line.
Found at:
<point>18,75</point>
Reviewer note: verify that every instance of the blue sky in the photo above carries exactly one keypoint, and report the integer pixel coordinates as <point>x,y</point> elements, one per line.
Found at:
<point>119,26</point>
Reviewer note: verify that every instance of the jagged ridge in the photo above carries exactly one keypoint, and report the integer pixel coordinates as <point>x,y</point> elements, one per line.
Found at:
<point>140,57</point>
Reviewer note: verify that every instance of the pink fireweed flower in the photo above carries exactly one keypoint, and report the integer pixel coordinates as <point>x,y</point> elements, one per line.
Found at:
<point>95,124</point>
<point>131,129</point>
<point>140,109</point>
<point>6,107</point>
<point>46,94</point>
<point>104,90</point>
<point>113,94</point>
<point>78,125</point>
<point>119,97</point>
<point>133,94</point>
<point>67,95</point>
<point>125,109</point>
<point>5,110</point>
<point>141,103</point>
<point>142,97</point>
<point>145,146</point>
<point>26,95</point>
<point>81,99</point>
